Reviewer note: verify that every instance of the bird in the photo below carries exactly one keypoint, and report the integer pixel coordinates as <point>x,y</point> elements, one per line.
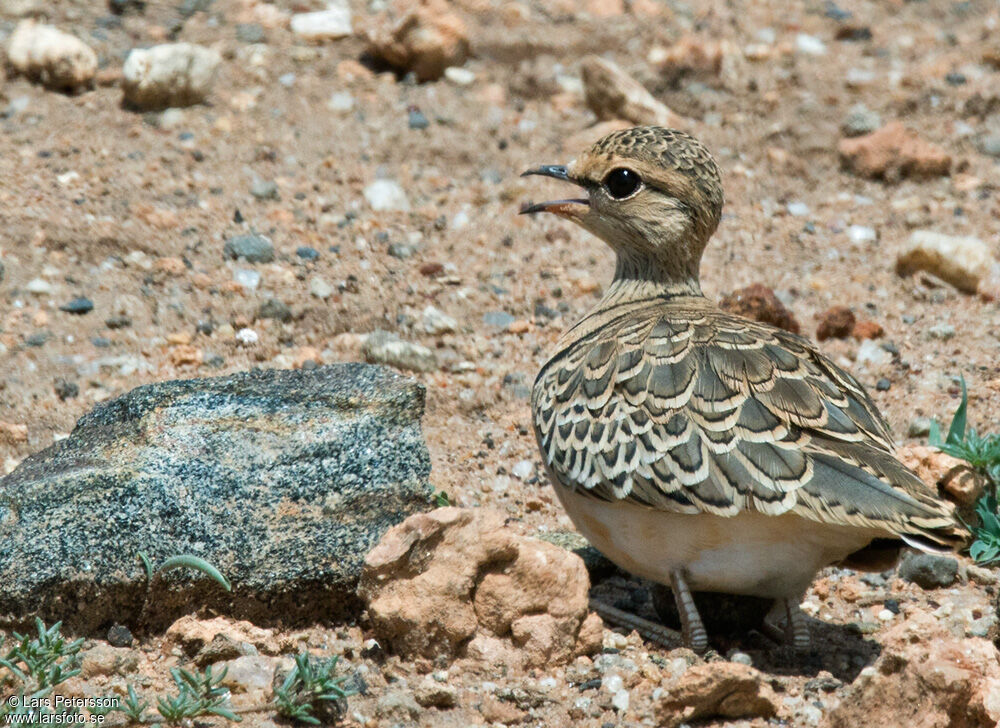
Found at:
<point>696,448</point>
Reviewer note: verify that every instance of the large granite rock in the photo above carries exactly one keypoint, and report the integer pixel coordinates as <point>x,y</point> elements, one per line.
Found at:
<point>284,480</point>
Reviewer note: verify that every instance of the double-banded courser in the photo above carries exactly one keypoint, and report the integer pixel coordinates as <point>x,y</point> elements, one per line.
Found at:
<point>694,447</point>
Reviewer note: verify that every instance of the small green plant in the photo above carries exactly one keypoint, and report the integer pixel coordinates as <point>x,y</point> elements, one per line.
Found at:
<point>197,694</point>
<point>184,561</point>
<point>311,693</point>
<point>441,499</point>
<point>308,686</point>
<point>982,453</point>
<point>134,707</point>
<point>34,666</point>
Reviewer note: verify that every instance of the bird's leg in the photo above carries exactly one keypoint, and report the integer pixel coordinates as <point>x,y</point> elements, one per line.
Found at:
<point>663,636</point>
<point>798,628</point>
<point>692,627</point>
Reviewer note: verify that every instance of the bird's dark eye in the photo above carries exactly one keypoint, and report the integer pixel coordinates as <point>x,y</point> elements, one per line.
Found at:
<point>621,183</point>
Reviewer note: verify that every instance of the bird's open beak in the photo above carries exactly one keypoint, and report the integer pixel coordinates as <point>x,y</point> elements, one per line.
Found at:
<point>572,209</point>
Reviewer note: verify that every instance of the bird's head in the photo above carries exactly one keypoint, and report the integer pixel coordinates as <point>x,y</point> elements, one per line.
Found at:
<point>653,194</point>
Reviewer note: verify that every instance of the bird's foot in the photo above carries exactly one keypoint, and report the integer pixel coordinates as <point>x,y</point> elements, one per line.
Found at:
<point>652,631</point>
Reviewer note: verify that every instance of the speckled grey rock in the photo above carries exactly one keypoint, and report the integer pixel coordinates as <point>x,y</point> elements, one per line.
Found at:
<point>929,571</point>
<point>284,480</point>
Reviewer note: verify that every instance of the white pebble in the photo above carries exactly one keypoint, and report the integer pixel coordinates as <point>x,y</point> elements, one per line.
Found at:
<point>861,234</point>
<point>171,74</point>
<point>798,209</point>
<point>871,353</point>
<point>612,682</point>
<point>247,337</point>
<point>619,701</point>
<point>885,615</point>
<point>249,279</point>
<point>810,45</point>
<point>329,24</point>
<point>386,194</point>
<point>39,286</point>
<point>459,76</point>
<point>340,101</point>
<point>437,322</point>
<point>523,469</point>
<point>56,59</point>
<point>320,288</point>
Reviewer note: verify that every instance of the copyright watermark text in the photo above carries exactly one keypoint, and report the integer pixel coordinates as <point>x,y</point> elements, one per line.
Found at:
<point>57,709</point>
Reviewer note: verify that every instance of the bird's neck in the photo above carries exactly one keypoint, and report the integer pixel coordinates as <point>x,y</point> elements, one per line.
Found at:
<point>644,277</point>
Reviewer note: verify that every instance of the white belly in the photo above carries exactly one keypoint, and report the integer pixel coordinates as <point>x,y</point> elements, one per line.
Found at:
<point>750,553</point>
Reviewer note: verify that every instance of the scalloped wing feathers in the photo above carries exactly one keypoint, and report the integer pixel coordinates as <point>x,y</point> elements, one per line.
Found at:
<point>688,409</point>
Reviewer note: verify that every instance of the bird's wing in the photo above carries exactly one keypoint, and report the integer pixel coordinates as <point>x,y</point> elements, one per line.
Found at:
<point>699,411</point>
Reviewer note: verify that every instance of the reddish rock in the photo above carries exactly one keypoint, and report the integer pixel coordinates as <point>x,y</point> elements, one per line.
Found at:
<point>892,153</point>
<point>192,634</point>
<point>716,690</point>
<point>835,323</point>
<point>11,434</point>
<point>612,94</point>
<point>759,303</point>
<point>866,329</point>
<point>924,678</point>
<point>422,36</point>
<point>954,478</point>
<point>431,269</point>
<point>456,581</point>
<point>692,55</point>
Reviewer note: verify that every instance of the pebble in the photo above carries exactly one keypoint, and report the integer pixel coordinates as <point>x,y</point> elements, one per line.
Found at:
<point>320,25</point>
<point>919,427</point>
<point>250,33</point>
<point>459,76</point>
<point>272,308</point>
<point>437,322</point>
<point>883,385</point>
<point>990,145</point>
<point>319,288</point>
<point>620,700</point>
<point>798,209</point>
<point>860,120</point>
<point>500,319</point>
<point>928,571</point>
<point>172,74</point>
<point>65,389</point>
<point>249,279</point>
<point>264,189</point>
<point>307,253</point>
<point>251,248</point>
<point>858,234</point>
<point>871,353</point>
<point>523,469</point>
<point>78,306</point>
<point>247,337</point>
<point>383,347</point>
<point>39,286</point>
<point>810,45</point>
<point>287,80</point>
<point>386,194</point>
<point>416,119</point>
<point>46,54</point>
<point>402,250</point>
<point>340,101</point>
<point>741,658</point>
<point>961,261</point>
<point>119,636</point>
<point>941,331</point>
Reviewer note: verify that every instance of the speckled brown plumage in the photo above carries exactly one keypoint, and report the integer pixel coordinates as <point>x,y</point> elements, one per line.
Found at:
<point>658,405</point>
